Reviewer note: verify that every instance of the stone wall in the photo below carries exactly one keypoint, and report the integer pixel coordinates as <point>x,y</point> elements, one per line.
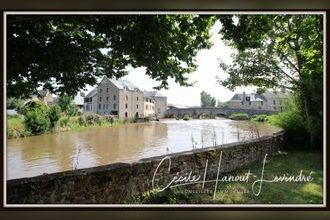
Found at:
<point>120,182</point>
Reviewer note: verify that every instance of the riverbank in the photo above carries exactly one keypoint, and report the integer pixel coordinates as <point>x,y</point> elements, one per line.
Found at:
<point>16,127</point>
<point>289,163</point>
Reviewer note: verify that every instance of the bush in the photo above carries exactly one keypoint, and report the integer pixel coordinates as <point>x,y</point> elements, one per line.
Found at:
<point>36,117</point>
<point>292,122</point>
<point>35,105</point>
<point>16,127</point>
<point>63,121</point>
<point>186,117</point>
<point>37,121</point>
<point>54,114</point>
<point>260,118</point>
<point>72,110</point>
<point>239,116</point>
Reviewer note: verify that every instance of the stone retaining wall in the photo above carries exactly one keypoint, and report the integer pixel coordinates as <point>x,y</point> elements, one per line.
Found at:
<point>120,182</point>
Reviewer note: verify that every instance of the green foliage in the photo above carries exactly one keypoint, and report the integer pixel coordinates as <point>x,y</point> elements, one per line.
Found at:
<point>36,117</point>
<point>36,121</point>
<point>63,121</point>
<point>239,116</point>
<point>222,104</point>
<point>16,127</point>
<point>15,103</point>
<point>67,106</point>
<point>293,123</point>
<point>186,117</point>
<point>161,43</point>
<point>35,105</point>
<point>260,118</point>
<point>207,100</point>
<point>72,110</point>
<point>279,51</point>
<point>54,114</point>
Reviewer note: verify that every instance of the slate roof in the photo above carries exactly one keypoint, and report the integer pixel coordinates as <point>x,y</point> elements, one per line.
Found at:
<point>255,97</point>
<point>92,93</point>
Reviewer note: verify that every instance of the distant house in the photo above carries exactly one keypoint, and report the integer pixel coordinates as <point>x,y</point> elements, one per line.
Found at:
<point>159,100</point>
<point>45,96</point>
<point>78,100</point>
<point>270,101</point>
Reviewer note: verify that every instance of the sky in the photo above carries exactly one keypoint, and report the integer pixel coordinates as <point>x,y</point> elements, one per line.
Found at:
<point>204,76</point>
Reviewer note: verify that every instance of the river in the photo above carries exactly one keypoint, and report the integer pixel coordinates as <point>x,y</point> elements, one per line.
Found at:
<point>49,153</point>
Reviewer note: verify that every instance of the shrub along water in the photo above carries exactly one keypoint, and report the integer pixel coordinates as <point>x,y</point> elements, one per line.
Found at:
<point>239,116</point>
<point>294,125</point>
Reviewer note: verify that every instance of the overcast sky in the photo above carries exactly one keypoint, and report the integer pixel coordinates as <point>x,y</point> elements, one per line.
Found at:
<point>204,76</point>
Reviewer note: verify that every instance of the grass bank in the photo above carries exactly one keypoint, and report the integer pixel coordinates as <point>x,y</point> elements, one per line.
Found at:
<point>289,163</point>
<point>16,127</point>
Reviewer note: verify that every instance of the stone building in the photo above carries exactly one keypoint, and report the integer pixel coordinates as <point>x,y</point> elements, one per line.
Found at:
<point>160,102</point>
<point>149,105</point>
<point>271,101</point>
<point>115,97</point>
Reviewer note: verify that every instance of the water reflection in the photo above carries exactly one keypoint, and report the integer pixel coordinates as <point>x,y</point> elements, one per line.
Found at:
<point>49,153</point>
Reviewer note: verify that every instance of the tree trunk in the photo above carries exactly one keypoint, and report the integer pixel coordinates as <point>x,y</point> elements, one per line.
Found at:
<point>308,113</point>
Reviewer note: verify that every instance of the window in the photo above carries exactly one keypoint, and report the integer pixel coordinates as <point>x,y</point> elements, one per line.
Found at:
<point>114,97</point>
<point>137,98</point>
<point>137,106</point>
<point>107,98</point>
<point>107,106</point>
<point>103,106</point>
<point>274,102</point>
<point>114,106</point>
<point>100,99</point>
<point>125,114</point>
<point>126,97</point>
<point>262,103</point>
<point>146,107</point>
<point>107,89</point>
<point>100,106</point>
<point>126,106</point>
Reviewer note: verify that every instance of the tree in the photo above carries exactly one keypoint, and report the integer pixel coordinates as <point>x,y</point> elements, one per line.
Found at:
<point>67,106</point>
<point>65,102</point>
<point>279,51</point>
<point>222,104</point>
<point>15,103</point>
<point>54,114</point>
<point>207,100</point>
<point>64,53</point>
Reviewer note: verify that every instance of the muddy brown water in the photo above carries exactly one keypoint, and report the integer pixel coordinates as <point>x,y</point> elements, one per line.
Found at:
<point>48,153</point>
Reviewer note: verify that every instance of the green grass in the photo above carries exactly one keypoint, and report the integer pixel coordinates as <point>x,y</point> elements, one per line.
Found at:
<point>272,193</point>
<point>16,127</point>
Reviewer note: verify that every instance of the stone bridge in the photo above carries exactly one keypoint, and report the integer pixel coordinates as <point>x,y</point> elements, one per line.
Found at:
<point>211,112</point>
